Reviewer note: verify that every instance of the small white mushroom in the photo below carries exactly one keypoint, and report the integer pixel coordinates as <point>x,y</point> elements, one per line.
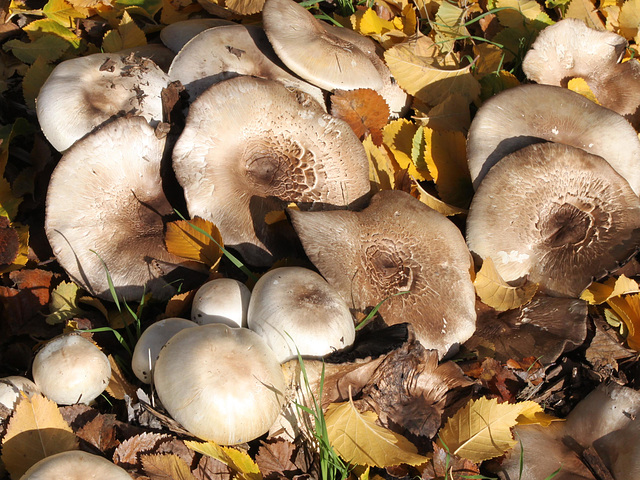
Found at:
<point>151,342</point>
<point>295,310</point>
<point>71,369</point>
<point>222,300</point>
<point>10,388</point>
<point>75,465</point>
<point>222,384</point>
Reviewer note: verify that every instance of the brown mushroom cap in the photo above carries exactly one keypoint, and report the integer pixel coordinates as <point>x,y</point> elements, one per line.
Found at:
<point>105,203</point>
<point>251,146</point>
<point>83,93</point>
<point>530,114</point>
<point>555,214</point>
<point>309,49</point>
<point>228,51</point>
<point>396,244</point>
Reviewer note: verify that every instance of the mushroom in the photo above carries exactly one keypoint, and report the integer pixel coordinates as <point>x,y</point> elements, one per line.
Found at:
<point>111,221</point>
<point>75,465</point>
<point>329,57</point>
<point>222,384</point>
<point>151,342</point>
<point>556,215</point>
<point>539,113</point>
<point>222,300</point>
<point>71,369</point>
<point>84,93</point>
<point>228,51</point>
<point>11,388</point>
<point>296,311</point>
<point>250,146</point>
<point>401,251</point>
<point>176,35</point>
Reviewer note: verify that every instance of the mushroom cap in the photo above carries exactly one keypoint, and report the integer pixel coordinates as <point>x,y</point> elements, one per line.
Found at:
<point>397,244</point>
<point>151,342</point>
<point>555,214</point>
<point>313,52</point>
<point>295,310</point>
<point>222,300</point>
<point>83,93</point>
<point>571,49</point>
<point>176,35</point>
<point>113,213</point>
<point>75,465</point>
<point>222,384</point>
<point>228,51</point>
<point>71,369</point>
<point>10,388</point>
<point>250,146</point>
<point>528,114</point>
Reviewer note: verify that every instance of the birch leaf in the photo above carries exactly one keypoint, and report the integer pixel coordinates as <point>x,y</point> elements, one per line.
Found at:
<point>381,166</point>
<point>166,467</point>
<point>598,292</point>
<point>127,35</point>
<point>497,293</point>
<point>630,19</point>
<point>533,414</point>
<point>481,429</point>
<point>240,462</point>
<point>628,309</point>
<point>34,79</point>
<point>64,303</point>
<point>185,241</point>
<point>579,85</point>
<point>359,440</point>
<point>398,137</point>
<point>62,12</point>
<point>49,47</point>
<point>586,11</point>
<point>36,430</point>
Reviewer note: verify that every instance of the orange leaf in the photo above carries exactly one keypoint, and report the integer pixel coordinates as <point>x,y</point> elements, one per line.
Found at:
<point>363,109</point>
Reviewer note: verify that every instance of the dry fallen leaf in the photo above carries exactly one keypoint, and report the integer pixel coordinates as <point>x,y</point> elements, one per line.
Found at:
<point>183,240</point>
<point>127,35</point>
<point>35,431</point>
<point>363,109</point>
<point>497,293</point>
<point>397,137</point>
<point>166,467</point>
<point>628,309</point>
<point>598,292</point>
<point>119,386</point>
<point>127,454</point>
<point>240,462</point>
<point>359,441</point>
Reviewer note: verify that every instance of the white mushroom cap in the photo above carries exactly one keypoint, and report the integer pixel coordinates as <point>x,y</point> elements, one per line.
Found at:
<point>176,35</point>
<point>312,51</point>
<point>251,146</point>
<point>71,369</point>
<point>528,114</point>
<point>75,465</point>
<point>295,310</point>
<point>113,213</point>
<point>10,388</point>
<point>151,342</point>
<point>222,384</point>
<point>228,51</point>
<point>83,93</point>
<point>555,214</point>
<point>223,300</point>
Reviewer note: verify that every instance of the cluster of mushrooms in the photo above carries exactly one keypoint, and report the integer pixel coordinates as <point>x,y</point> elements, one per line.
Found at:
<point>556,203</point>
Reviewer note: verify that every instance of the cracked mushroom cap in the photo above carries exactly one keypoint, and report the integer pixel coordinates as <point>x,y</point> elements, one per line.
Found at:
<point>397,244</point>
<point>228,51</point>
<point>309,49</point>
<point>109,208</point>
<point>528,114</point>
<point>251,146</point>
<point>83,93</point>
<point>222,384</point>
<point>555,214</point>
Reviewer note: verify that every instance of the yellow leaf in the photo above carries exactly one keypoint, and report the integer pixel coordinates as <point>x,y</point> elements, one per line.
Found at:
<point>515,10</point>
<point>49,47</point>
<point>171,13</point>
<point>629,19</point>
<point>437,204</point>
<point>495,83</point>
<point>579,85</point>
<point>358,440</point>
<point>428,80</point>
<point>240,462</point>
<point>489,59</point>
<point>453,113</point>
<point>449,25</point>
<point>184,240</point>
<point>46,26</point>
<point>598,293</point>
<point>398,138</point>
<point>62,12</point>
<point>127,35</point>
<point>481,429</point>
<point>276,216</point>
<point>628,309</point>
<point>533,414</point>
<point>119,386</point>
<point>34,79</point>
<point>371,24</point>
<point>63,304</point>
<point>167,466</point>
<point>381,166</point>
<point>497,293</point>
<point>586,11</point>
<point>36,430</point>
<point>446,159</point>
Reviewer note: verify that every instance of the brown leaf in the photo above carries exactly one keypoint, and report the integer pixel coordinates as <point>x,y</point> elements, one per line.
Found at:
<point>36,282</point>
<point>35,431</point>
<point>275,457</point>
<point>446,465</point>
<point>127,455</point>
<point>363,109</point>
<point>9,242</point>
<point>100,432</point>
<point>166,467</point>
<point>211,469</point>
<point>180,305</point>
<point>119,386</point>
